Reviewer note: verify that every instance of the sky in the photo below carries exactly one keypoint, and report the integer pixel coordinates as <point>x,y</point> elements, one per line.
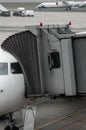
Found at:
<point>35,0</point>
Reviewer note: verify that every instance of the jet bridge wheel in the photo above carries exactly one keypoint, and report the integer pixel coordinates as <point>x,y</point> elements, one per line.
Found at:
<point>14,127</point>
<point>9,128</point>
<point>68,8</point>
<point>11,124</point>
<point>54,97</point>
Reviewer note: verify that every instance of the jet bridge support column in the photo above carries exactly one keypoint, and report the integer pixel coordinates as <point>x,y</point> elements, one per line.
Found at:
<point>30,118</point>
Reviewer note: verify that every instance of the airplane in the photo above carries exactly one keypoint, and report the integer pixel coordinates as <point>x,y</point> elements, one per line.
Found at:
<point>12,87</point>
<point>4,11</point>
<point>64,4</point>
<point>82,5</point>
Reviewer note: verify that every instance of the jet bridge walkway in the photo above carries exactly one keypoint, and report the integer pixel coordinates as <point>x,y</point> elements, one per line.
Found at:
<point>48,57</point>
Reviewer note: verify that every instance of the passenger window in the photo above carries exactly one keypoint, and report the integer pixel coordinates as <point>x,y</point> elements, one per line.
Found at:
<point>15,68</point>
<point>3,68</point>
<point>54,60</point>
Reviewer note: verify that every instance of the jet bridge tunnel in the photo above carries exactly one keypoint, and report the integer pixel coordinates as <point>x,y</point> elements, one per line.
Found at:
<point>48,58</point>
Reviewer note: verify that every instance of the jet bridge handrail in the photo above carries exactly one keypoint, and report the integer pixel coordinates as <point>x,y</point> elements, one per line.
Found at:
<point>59,36</point>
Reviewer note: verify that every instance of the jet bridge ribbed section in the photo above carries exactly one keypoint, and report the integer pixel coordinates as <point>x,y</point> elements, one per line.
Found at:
<point>24,47</point>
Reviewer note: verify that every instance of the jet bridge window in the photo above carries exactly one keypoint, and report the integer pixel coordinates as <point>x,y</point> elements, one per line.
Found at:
<point>54,60</point>
<point>3,68</point>
<point>15,68</point>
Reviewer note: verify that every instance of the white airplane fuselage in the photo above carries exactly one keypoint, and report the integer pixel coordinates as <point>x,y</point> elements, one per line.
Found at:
<point>12,87</point>
<point>62,4</point>
<point>50,5</point>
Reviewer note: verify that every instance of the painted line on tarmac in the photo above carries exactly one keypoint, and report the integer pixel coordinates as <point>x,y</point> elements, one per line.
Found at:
<point>60,119</point>
<point>74,123</point>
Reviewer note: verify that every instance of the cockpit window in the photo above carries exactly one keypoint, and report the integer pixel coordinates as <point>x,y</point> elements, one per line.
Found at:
<point>3,68</point>
<point>15,68</point>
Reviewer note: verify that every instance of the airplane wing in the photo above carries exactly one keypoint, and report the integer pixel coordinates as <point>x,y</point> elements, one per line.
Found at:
<point>72,4</point>
<point>69,3</point>
<point>66,3</point>
<point>82,5</point>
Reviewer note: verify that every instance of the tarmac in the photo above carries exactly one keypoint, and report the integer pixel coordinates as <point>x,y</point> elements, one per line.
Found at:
<point>67,113</point>
<point>64,113</point>
<point>78,19</point>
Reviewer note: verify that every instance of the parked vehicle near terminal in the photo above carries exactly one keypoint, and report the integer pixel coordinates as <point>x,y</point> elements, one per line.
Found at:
<point>5,13</point>
<point>17,13</point>
<point>20,9</point>
<point>28,13</point>
<point>24,13</point>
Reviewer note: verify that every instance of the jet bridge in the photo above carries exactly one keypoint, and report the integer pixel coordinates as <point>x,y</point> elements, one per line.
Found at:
<point>46,56</point>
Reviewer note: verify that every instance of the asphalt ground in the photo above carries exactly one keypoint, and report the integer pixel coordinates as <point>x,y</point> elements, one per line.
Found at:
<point>67,113</point>
<point>77,19</point>
<point>64,113</point>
